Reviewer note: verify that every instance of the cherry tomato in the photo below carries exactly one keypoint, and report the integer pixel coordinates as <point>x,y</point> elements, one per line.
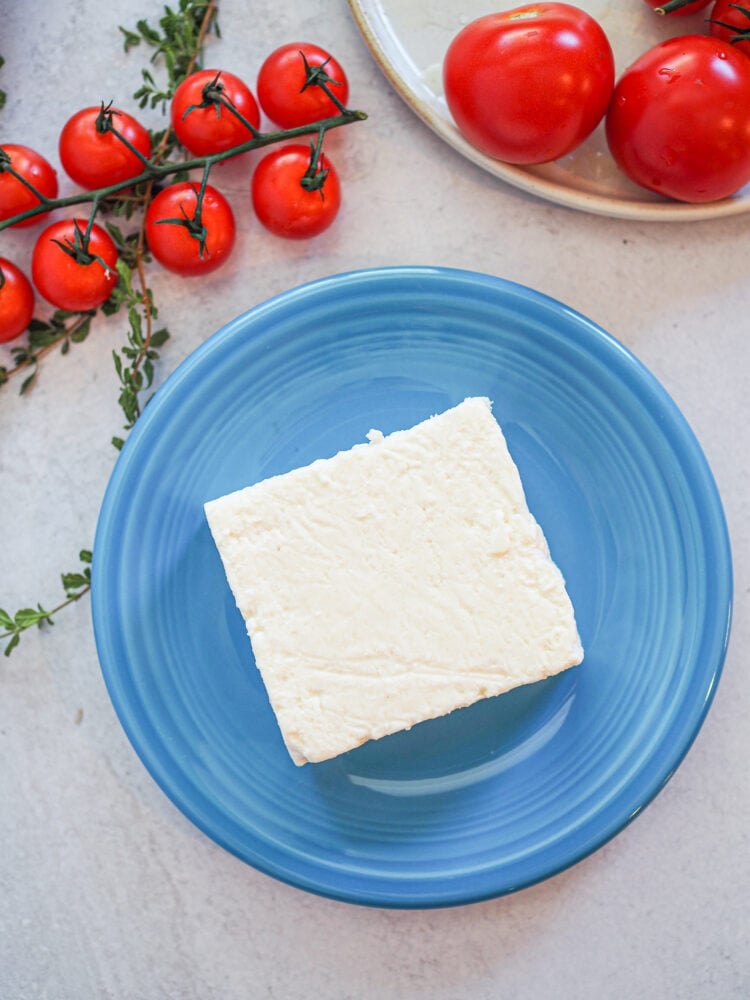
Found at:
<point>280,201</point>
<point>730,22</point>
<point>14,196</point>
<point>171,242</point>
<point>281,85</point>
<point>94,157</point>
<point>678,122</point>
<point>16,301</point>
<point>68,283</point>
<point>678,8</point>
<point>529,85</point>
<point>212,129</point>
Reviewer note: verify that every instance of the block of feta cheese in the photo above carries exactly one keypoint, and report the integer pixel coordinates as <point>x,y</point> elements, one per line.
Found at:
<point>394,582</point>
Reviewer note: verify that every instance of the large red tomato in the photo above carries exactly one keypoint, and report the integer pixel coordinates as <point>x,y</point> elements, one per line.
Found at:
<point>529,85</point>
<point>95,157</point>
<point>679,124</point>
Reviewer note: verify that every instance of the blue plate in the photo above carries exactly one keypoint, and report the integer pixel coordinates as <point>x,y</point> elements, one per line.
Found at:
<point>491,798</point>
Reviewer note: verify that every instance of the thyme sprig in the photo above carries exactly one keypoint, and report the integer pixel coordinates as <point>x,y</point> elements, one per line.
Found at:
<point>74,584</point>
<point>178,38</point>
<point>62,328</point>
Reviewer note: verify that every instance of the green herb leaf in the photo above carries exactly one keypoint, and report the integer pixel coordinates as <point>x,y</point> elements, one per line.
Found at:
<point>131,39</point>
<point>12,644</point>
<point>159,337</point>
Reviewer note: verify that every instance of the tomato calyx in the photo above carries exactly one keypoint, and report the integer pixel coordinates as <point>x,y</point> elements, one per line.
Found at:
<point>214,95</point>
<point>105,122</point>
<point>738,34</point>
<point>78,247</point>
<point>193,224</point>
<point>316,76</point>
<point>105,118</point>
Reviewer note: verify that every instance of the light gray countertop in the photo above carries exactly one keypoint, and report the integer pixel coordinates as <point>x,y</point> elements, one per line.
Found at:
<point>106,890</point>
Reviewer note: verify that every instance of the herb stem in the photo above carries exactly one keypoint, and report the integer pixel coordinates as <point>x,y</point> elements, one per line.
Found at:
<point>34,356</point>
<point>208,16</point>
<point>46,615</point>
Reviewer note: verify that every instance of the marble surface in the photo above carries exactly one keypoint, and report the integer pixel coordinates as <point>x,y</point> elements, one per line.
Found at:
<point>106,890</point>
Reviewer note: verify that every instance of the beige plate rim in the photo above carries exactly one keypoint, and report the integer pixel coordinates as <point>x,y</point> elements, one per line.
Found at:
<point>365,14</point>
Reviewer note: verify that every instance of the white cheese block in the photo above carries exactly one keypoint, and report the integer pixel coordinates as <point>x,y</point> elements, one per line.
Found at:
<point>394,582</point>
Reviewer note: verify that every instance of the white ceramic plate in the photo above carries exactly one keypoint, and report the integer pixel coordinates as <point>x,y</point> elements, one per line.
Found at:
<point>409,38</point>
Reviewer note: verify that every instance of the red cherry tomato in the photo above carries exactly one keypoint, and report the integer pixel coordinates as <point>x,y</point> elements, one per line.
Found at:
<point>210,129</point>
<point>14,196</point>
<point>678,122</point>
<point>281,85</point>
<point>69,283</point>
<point>730,22</point>
<point>529,85</point>
<point>16,301</point>
<point>280,201</point>
<point>678,8</point>
<point>95,158</point>
<point>172,243</point>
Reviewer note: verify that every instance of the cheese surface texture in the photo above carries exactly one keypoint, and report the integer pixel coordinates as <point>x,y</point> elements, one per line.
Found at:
<point>394,582</point>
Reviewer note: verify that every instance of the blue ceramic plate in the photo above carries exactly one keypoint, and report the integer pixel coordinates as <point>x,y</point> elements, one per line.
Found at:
<point>491,798</point>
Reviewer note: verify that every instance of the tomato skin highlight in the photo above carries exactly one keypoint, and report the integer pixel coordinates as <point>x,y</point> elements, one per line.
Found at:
<point>97,159</point>
<point>14,197</point>
<point>282,205</point>
<point>529,85</point>
<point>203,131</point>
<point>16,301</point>
<point>282,77</point>
<point>735,24</point>
<point>678,123</point>
<point>65,282</point>
<point>173,246</point>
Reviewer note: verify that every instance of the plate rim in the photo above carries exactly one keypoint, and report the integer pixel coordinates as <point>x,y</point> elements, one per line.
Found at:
<point>374,895</point>
<point>518,176</point>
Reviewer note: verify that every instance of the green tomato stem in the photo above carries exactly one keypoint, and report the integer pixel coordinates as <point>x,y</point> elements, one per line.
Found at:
<point>672,6</point>
<point>157,171</point>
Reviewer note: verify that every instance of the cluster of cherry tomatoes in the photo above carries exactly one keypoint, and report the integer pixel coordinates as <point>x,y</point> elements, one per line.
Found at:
<point>189,227</point>
<point>529,85</point>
